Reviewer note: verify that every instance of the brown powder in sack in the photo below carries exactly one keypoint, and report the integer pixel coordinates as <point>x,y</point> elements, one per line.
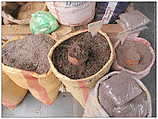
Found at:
<point>11,8</point>
<point>134,56</point>
<point>29,53</point>
<point>81,56</point>
<point>29,8</point>
<point>120,96</point>
<point>23,10</point>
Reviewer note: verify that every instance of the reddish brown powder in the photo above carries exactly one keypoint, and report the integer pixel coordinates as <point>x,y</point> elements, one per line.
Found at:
<point>92,53</point>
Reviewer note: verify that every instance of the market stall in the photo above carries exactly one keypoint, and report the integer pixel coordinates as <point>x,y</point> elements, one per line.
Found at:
<point>69,48</point>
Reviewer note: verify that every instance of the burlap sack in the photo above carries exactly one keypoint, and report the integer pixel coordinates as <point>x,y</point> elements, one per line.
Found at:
<point>61,32</point>
<point>6,38</point>
<point>93,107</point>
<point>12,94</point>
<point>44,87</point>
<point>15,30</point>
<point>80,88</point>
<point>72,13</point>
<point>24,14</point>
<point>143,73</point>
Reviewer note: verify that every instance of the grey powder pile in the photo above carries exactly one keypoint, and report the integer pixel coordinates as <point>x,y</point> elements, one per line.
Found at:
<point>29,53</point>
<point>121,96</point>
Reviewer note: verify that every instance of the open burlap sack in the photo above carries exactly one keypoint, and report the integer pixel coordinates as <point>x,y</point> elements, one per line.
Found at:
<point>80,88</point>
<point>144,72</point>
<point>94,108</point>
<point>23,10</point>
<point>15,30</point>
<point>12,94</point>
<point>44,87</point>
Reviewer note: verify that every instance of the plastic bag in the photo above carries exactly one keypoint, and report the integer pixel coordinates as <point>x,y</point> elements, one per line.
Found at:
<point>137,107</point>
<point>43,22</point>
<point>121,96</point>
<point>132,22</point>
<point>133,19</point>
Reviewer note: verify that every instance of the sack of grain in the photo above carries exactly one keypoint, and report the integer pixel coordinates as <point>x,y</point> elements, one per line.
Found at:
<point>135,56</point>
<point>118,94</point>
<point>77,76</point>
<point>12,94</point>
<point>20,12</point>
<point>72,13</point>
<point>25,62</point>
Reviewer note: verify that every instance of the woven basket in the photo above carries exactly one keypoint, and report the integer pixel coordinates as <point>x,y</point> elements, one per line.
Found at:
<point>80,88</point>
<point>25,9</point>
<point>146,71</point>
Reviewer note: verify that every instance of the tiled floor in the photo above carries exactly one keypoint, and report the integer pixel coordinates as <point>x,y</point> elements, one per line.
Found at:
<point>66,106</point>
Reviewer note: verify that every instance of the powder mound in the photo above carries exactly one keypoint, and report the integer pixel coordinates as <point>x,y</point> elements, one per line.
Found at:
<point>29,53</point>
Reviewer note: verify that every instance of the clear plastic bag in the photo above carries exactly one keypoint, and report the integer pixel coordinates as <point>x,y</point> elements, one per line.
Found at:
<point>133,22</point>
<point>136,108</point>
<point>128,89</point>
<point>133,19</point>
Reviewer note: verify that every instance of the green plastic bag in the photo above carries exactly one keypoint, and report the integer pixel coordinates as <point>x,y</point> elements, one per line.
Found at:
<point>43,22</point>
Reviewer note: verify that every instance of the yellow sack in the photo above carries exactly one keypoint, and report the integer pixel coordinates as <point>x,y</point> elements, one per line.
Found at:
<point>80,88</point>
<point>12,94</point>
<point>44,87</point>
